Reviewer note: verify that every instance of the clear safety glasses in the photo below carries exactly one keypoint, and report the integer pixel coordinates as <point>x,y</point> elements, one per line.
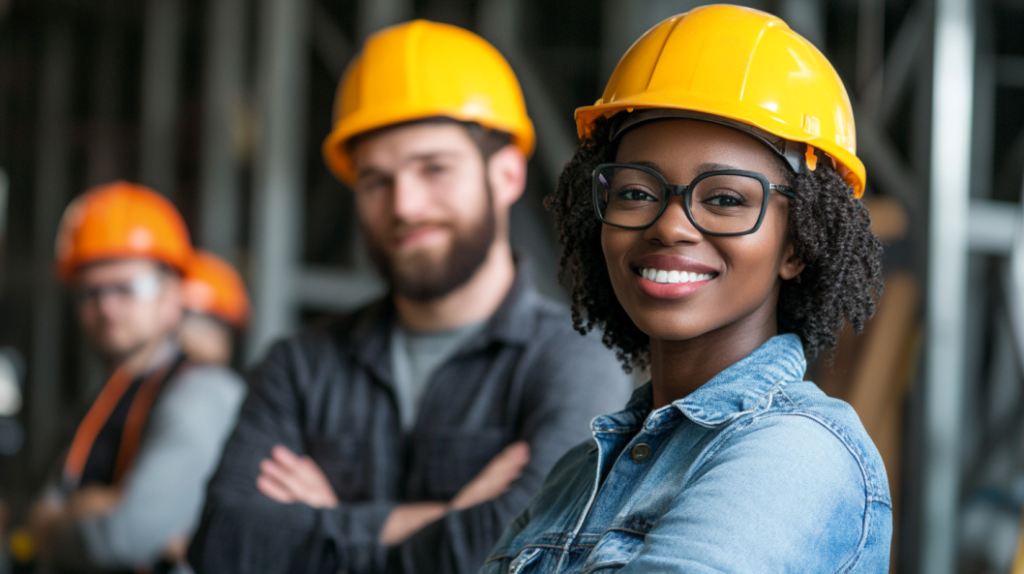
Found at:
<point>142,287</point>
<point>725,202</point>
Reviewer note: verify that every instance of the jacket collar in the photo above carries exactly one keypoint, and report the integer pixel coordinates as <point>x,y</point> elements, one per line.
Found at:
<point>512,323</point>
<point>745,386</point>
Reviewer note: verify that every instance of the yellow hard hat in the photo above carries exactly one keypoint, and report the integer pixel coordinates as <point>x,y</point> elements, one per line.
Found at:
<point>743,68</point>
<point>420,70</point>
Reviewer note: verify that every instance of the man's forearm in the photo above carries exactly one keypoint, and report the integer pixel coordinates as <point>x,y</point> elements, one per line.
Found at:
<point>407,519</point>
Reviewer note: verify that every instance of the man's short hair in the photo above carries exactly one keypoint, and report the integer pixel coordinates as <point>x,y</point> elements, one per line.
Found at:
<point>487,140</point>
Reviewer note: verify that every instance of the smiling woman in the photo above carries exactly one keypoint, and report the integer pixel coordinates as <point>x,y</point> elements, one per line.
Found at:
<point>719,241</point>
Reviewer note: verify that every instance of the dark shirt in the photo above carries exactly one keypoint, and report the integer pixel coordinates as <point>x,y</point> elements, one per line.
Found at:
<point>328,393</point>
<point>100,466</point>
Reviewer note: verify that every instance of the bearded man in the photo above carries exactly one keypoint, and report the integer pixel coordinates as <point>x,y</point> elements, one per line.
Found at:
<point>406,435</point>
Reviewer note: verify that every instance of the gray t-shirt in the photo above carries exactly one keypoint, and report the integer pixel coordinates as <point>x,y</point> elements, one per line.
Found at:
<point>415,357</point>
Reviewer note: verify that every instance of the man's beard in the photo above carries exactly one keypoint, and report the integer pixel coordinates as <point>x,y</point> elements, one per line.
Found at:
<point>420,278</point>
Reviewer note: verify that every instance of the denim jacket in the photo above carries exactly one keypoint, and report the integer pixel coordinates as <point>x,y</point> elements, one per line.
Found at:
<point>756,471</point>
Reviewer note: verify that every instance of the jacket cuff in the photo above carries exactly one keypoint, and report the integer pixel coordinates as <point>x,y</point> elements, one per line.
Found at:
<point>359,526</point>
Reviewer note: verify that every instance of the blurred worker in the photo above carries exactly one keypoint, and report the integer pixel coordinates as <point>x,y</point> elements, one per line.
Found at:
<point>408,433</point>
<point>216,309</point>
<point>131,487</point>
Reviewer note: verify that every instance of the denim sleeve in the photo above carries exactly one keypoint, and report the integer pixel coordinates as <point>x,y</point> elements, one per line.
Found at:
<point>163,491</point>
<point>570,379</point>
<point>244,531</point>
<point>783,494</point>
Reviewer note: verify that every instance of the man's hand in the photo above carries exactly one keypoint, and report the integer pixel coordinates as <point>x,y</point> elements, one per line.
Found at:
<point>287,477</point>
<point>51,515</point>
<point>496,478</point>
<point>47,517</point>
<point>93,501</point>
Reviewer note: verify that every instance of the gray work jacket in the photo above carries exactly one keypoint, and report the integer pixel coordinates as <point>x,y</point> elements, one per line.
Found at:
<point>328,393</point>
<point>163,490</point>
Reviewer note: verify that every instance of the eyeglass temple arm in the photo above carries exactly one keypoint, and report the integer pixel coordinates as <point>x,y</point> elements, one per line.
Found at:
<point>783,189</point>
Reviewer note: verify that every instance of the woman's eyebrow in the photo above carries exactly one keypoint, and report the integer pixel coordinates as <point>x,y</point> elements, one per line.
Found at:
<point>713,167</point>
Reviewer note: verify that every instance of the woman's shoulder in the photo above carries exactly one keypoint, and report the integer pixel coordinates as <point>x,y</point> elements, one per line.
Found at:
<point>818,433</point>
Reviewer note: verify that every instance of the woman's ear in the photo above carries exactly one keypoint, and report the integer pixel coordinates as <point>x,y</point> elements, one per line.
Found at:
<point>791,265</point>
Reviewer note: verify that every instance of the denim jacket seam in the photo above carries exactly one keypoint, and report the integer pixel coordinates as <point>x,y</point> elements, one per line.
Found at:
<point>627,530</point>
<point>737,426</point>
<point>870,488</point>
<point>868,485</point>
<point>854,560</point>
<point>783,392</point>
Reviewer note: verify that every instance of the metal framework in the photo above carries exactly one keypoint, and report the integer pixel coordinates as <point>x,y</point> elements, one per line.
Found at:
<point>934,73</point>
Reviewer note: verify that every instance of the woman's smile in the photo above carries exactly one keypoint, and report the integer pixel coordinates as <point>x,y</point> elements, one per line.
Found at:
<point>665,276</point>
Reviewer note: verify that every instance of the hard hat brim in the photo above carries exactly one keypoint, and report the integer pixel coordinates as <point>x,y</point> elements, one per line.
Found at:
<point>854,175</point>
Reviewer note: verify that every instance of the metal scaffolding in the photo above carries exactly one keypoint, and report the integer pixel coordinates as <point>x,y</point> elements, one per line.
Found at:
<point>925,78</point>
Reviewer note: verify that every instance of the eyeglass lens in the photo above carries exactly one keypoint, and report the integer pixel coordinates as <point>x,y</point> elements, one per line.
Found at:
<point>633,197</point>
<point>144,287</point>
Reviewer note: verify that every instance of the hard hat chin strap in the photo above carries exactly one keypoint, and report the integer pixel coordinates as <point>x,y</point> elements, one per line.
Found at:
<point>799,156</point>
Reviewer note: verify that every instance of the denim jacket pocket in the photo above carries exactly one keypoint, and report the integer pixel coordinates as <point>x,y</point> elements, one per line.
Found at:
<point>345,464</point>
<point>614,550</point>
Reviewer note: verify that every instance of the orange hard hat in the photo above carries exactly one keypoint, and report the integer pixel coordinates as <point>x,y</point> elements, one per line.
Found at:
<point>420,70</point>
<point>743,68</point>
<point>213,287</point>
<point>120,220</point>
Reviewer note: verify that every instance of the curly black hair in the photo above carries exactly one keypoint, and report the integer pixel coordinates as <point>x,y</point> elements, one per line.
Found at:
<point>830,233</point>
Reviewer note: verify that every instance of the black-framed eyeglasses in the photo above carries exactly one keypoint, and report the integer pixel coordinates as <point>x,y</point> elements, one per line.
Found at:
<point>724,202</point>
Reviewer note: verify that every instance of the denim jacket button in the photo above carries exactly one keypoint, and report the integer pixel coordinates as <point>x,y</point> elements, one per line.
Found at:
<point>640,452</point>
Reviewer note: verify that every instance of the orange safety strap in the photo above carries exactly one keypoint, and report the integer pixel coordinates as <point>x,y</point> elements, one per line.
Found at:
<point>133,426</point>
<point>93,422</point>
<point>100,412</point>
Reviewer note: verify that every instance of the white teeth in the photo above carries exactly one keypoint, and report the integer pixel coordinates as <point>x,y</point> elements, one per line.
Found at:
<point>674,276</point>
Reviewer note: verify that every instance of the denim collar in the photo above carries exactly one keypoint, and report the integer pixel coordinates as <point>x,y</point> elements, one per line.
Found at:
<point>745,386</point>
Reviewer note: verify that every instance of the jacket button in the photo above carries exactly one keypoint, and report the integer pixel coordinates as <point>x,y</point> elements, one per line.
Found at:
<point>640,452</point>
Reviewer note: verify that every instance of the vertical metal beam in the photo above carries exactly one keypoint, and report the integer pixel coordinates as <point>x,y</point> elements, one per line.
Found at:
<point>870,49</point>
<point>372,15</point>
<point>161,57</point>
<point>498,21</point>
<point>52,181</point>
<point>4,195</point>
<point>223,100</point>
<point>952,95</point>
<point>279,168</point>
<point>807,18</point>
<point>619,29</point>
<point>332,46</point>
<point>103,158</point>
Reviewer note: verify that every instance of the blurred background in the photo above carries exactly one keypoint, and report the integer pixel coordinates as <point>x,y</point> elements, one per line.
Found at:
<point>223,104</point>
